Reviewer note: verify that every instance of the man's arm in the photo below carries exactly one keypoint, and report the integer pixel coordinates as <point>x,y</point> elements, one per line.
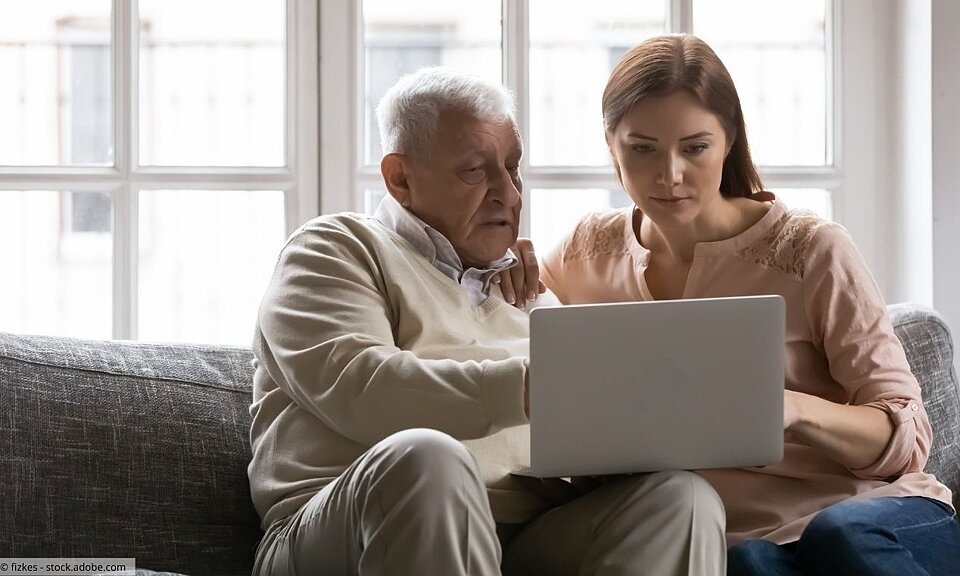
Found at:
<point>327,340</point>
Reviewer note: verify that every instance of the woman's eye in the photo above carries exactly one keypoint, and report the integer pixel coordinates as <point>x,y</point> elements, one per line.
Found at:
<point>695,149</point>
<point>643,148</point>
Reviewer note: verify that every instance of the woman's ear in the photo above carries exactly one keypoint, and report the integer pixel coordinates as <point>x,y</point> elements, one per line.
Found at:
<point>616,167</point>
<point>730,143</point>
<point>394,170</point>
<point>613,158</point>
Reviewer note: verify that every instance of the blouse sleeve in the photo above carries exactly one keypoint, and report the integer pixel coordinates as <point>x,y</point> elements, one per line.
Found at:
<point>553,272</point>
<point>849,323</point>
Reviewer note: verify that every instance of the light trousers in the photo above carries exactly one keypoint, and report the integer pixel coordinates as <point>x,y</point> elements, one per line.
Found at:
<point>415,505</point>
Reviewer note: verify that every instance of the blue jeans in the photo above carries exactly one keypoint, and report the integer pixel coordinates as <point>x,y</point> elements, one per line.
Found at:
<point>885,536</point>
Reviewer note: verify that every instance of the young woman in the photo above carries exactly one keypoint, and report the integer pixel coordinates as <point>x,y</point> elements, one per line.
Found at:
<point>850,496</point>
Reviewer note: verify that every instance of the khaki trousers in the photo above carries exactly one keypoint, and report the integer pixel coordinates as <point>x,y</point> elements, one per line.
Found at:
<point>414,505</point>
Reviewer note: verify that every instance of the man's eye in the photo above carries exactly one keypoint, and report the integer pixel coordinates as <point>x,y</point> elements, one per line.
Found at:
<point>473,175</point>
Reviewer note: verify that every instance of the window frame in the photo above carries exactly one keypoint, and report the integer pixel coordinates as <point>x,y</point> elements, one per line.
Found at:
<point>297,179</point>
<point>344,177</point>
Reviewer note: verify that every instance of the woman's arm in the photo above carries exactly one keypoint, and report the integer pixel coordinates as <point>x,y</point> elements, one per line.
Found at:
<point>880,430</point>
<point>855,436</point>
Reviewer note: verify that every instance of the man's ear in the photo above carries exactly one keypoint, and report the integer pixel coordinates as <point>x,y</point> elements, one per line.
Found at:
<point>393,167</point>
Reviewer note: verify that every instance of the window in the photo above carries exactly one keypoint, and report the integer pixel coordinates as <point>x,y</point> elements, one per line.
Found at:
<point>155,154</point>
<point>557,58</point>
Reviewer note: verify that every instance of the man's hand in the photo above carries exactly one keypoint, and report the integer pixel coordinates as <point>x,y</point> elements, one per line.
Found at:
<point>554,491</point>
<point>522,278</point>
<point>559,491</point>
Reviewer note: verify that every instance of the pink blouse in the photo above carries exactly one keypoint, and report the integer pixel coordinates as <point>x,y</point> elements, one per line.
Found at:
<point>840,346</point>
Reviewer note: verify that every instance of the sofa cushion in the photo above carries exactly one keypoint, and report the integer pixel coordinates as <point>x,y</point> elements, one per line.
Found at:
<point>120,449</point>
<point>928,344</point>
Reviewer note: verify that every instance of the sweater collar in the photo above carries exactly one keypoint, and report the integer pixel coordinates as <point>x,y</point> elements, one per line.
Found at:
<point>430,243</point>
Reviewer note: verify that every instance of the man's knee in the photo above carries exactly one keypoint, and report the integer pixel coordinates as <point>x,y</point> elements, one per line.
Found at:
<point>427,485</point>
<point>678,501</point>
<point>422,458</point>
<point>686,490</point>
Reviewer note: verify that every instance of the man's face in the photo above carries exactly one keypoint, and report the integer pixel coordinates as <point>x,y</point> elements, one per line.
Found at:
<point>467,185</point>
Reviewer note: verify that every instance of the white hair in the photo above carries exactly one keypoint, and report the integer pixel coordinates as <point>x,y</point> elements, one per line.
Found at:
<point>408,113</point>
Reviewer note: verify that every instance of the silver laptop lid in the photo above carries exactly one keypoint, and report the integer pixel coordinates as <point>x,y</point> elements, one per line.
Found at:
<point>661,385</point>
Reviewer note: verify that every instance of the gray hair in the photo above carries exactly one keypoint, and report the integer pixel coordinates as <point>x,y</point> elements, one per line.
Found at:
<point>408,113</point>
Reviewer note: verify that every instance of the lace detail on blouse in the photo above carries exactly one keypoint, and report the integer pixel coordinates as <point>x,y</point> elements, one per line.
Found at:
<point>598,233</point>
<point>784,246</point>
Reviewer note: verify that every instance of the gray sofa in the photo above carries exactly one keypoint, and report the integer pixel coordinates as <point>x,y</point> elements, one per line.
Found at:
<point>121,449</point>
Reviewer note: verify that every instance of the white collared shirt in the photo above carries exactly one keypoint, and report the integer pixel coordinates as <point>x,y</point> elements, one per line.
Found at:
<point>433,246</point>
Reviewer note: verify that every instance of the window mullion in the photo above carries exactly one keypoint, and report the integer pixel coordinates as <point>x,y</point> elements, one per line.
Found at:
<point>680,16</point>
<point>124,224</point>
<point>833,66</point>
<point>515,52</point>
<point>302,100</point>
<point>341,67</point>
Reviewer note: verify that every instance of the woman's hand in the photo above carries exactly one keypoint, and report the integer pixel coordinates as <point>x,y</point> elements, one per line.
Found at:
<point>522,279</point>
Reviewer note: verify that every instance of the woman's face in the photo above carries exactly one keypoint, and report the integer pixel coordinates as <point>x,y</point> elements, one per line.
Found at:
<point>668,152</point>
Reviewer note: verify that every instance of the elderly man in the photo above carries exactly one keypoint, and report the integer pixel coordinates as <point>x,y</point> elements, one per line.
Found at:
<point>390,393</point>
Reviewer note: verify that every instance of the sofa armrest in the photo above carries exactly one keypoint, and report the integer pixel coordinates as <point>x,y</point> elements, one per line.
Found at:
<point>928,344</point>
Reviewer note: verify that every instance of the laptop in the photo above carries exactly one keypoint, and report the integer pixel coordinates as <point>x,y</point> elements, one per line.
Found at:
<point>659,385</point>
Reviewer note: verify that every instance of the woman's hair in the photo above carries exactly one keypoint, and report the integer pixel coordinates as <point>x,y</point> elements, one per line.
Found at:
<point>665,64</point>
<point>409,112</point>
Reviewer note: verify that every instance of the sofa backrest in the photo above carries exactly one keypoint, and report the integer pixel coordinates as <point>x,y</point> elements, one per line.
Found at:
<point>929,346</point>
<point>120,449</point>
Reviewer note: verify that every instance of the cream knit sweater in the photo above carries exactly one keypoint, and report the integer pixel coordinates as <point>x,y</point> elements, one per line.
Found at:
<point>358,337</point>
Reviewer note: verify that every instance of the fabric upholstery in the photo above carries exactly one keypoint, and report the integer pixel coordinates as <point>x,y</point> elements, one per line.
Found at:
<point>140,450</point>
<point>119,449</point>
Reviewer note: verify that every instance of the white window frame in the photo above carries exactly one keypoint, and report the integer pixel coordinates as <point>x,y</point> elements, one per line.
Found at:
<point>863,82</point>
<point>344,176</point>
<point>298,179</point>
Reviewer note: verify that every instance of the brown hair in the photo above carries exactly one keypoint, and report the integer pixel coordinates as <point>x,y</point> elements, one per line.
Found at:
<point>665,64</point>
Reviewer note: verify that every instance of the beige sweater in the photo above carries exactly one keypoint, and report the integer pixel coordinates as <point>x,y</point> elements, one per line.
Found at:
<point>358,337</point>
<point>839,346</point>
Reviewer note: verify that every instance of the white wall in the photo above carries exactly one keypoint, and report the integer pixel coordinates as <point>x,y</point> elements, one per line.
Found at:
<point>901,199</point>
<point>945,19</point>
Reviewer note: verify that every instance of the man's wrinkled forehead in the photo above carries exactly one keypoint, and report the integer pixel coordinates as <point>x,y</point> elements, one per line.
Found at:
<point>459,133</point>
